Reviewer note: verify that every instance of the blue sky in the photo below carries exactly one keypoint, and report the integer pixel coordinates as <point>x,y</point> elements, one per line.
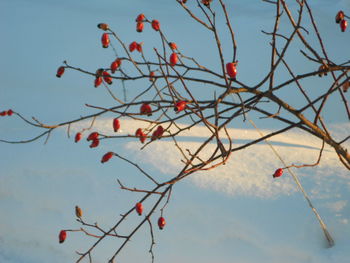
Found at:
<point>234,214</point>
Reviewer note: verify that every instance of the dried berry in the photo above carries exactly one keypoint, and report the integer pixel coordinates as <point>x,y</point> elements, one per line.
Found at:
<point>103,26</point>
<point>78,211</point>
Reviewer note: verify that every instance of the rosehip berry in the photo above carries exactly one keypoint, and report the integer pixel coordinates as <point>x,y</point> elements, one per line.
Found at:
<point>139,47</point>
<point>140,18</point>
<point>98,82</point>
<point>161,223</point>
<point>339,17</point>
<point>231,70</point>
<point>139,208</point>
<point>172,45</point>
<point>95,143</point>
<point>3,113</point>
<point>115,65</point>
<point>107,77</point>
<point>180,106</point>
<point>343,25</point>
<point>157,134</point>
<point>151,76</point>
<point>155,25</point>
<point>206,2</point>
<point>139,133</point>
<point>78,137</point>
<point>107,157</point>
<point>62,236</point>
<point>99,72</point>
<point>116,124</point>
<point>9,112</point>
<point>173,59</point>
<point>103,26</point>
<point>105,40</point>
<point>278,173</point>
<point>139,27</point>
<point>92,136</point>
<point>60,72</point>
<point>132,46</point>
<point>346,86</point>
<point>78,211</point>
<point>146,109</point>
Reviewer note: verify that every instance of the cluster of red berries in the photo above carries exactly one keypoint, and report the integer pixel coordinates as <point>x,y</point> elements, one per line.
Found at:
<point>340,19</point>
<point>139,210</point>
<point>62,236</point>
<point>6,113</point>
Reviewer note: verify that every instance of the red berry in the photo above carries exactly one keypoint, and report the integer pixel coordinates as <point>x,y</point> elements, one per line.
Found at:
<point>172,45</point>
<point>115,65</point>
<point>106,157</point>
<point>339,17</point>
<point>105,40</point>
<point>140,18</point>
<point>157,134</point>
<point>62,236</point>
<point>173,59</point>
<point>139,133</point>
<point>180,106</point>
<point>132,46</point>
<point>231,70</point>
<point>107,77</point>
<point>103,26</point>
<point>343,25</point>
<point>278,173</point>
<point>95,143</point>
<point>60,72</point>
<point>9,112</point>
<point>155,25</point>
<point>139,27</point>
<point>139,47</point>
<point>116,124</point>
<point>3,113</point>
<point>146,109</point>
<point>98,82</point>
<point>92,136</point>
<point>161,223</point>
<point>78,137</point>
<point>151,76</point>
<point>139,208</point>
